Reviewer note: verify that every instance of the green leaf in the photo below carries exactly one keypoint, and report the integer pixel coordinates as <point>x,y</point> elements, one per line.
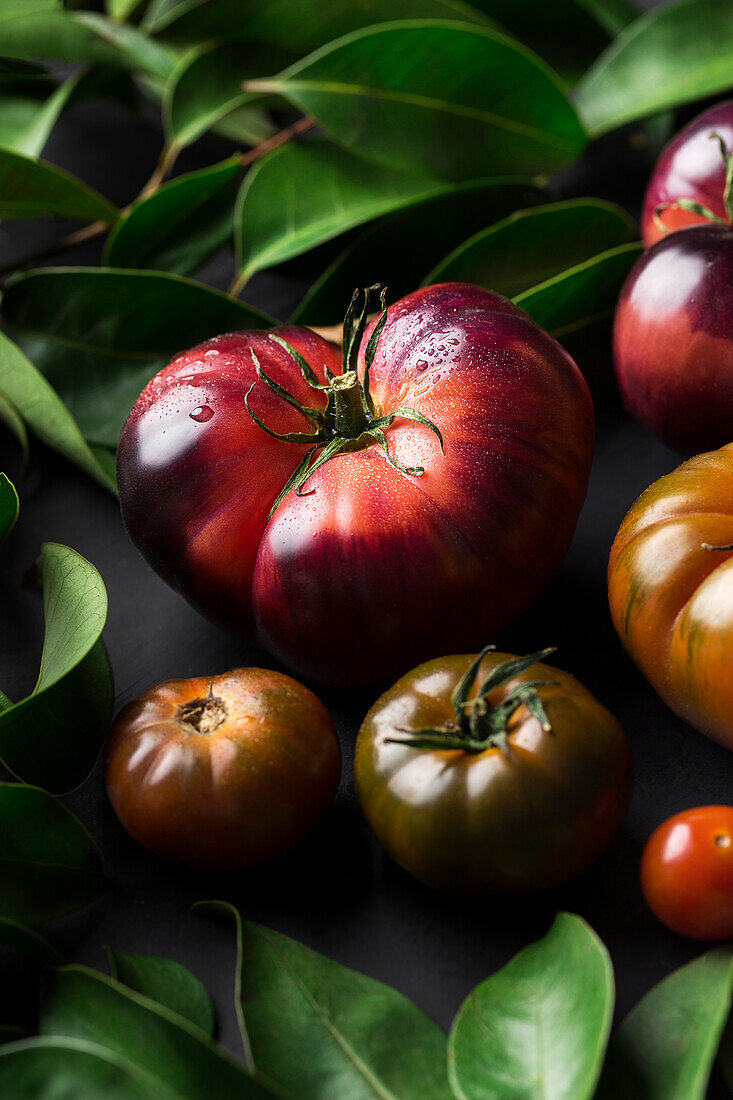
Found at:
<point>36,1069</point>
<point>206,87</point>
<point>25,123</point>
<point>313,1028</point>
<point>665,1048</point>
<point>31,188</point>
<point>96,333</point>
<point>470,104</point>
<point>81,37</point>
<point>538,1028</point>
<point>24,391</point>
<point>531,246</point>
<point>672,55</point>
<point>19,938</point>
<point>131,46</point>
<point>299,196</point>
<point>9,506</point>
<point>167,982</point>
<point>582,295</point>
<point>53,736</point>
<point>577,308</point>
<point>396,248</point>
<point>180,226</point>
<point>82,1004</point>
<point>120,10</point>
<point>725,1057</point>
<point>49,864</point>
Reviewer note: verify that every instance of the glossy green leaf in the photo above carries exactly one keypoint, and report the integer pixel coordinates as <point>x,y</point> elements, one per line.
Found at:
<point>120,10</point>
<point>665,1048</point>
<point>53,736</point>
<point>48,862</point>
<point>314,1028</point>
<point>301,195</point>
<point>167,982</point>
<point>396,248</point>
<point>471,103</point>
<point>37,1069</point>
<point>9,506</point>
<point>206,87</point>
<point>538,1028</point>
<point>582,295</point>
<point>25,392</point>
<point>81,37</point>
<point>131,46</point>
<point>96,333</point>
<point>304,25</point>
<point>17,937</point>
<point>296,25</point>
<point>25,123</point>
<point>672,55</point>
<point>82,1004</point>
<point>531,246</point>
<point>31,188</point>
<point>180,226</point>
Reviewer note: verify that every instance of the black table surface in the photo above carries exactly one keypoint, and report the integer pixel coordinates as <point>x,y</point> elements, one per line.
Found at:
<point>338,892</point>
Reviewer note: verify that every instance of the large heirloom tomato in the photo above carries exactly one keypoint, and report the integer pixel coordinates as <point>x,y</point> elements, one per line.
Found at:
<point>670,587</point>
<point>492,773</point>
<point>222,772</point>
<point>422,510</point>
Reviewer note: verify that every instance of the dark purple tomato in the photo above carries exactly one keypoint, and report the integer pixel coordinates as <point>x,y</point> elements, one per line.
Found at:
<point>673,339</point>
<point>376,566</point>
<point>690,167</point>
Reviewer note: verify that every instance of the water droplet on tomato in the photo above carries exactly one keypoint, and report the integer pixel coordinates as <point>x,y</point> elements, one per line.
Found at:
<point>421,364</point>
<point>202,414</point>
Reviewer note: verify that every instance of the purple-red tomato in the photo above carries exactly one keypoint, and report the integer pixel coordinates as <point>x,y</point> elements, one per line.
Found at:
<point>376,566</point>
<point>690,168</point>
<point>673,339</point>
<point>222,772</point>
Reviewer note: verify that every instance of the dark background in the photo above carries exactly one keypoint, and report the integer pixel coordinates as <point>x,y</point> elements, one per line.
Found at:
<point>338,892</point>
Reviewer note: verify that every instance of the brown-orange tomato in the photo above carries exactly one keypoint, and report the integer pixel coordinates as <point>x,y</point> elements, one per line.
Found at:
<point>222,772</point>
<point>492,775</point>
<point>670,587</point>
<point>687,873</point>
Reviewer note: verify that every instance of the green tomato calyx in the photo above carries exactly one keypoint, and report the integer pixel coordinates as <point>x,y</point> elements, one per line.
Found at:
<point>480,724</point>
<point>350,420</point>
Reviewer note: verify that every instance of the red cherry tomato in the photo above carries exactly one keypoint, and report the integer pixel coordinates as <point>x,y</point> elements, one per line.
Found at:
<point>375,566</point>
<point>687,873</point>
<point>222,772</point>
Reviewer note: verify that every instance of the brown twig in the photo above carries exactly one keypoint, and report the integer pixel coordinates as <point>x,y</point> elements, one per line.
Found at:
<point>300,127</point>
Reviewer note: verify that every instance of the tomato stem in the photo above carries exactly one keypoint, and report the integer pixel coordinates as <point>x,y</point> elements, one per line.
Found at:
<point>479,724</point>
<point>699,208</point>
<point>349,421</point>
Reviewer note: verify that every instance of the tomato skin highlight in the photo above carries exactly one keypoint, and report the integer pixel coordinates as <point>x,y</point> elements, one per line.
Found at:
<point>687,873</point>
<point>490,822</point>
<point>376,563</point>
<point>243,786</point>
<point>689,167</point>
<point>671,591</point>
<point>673,339</point>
